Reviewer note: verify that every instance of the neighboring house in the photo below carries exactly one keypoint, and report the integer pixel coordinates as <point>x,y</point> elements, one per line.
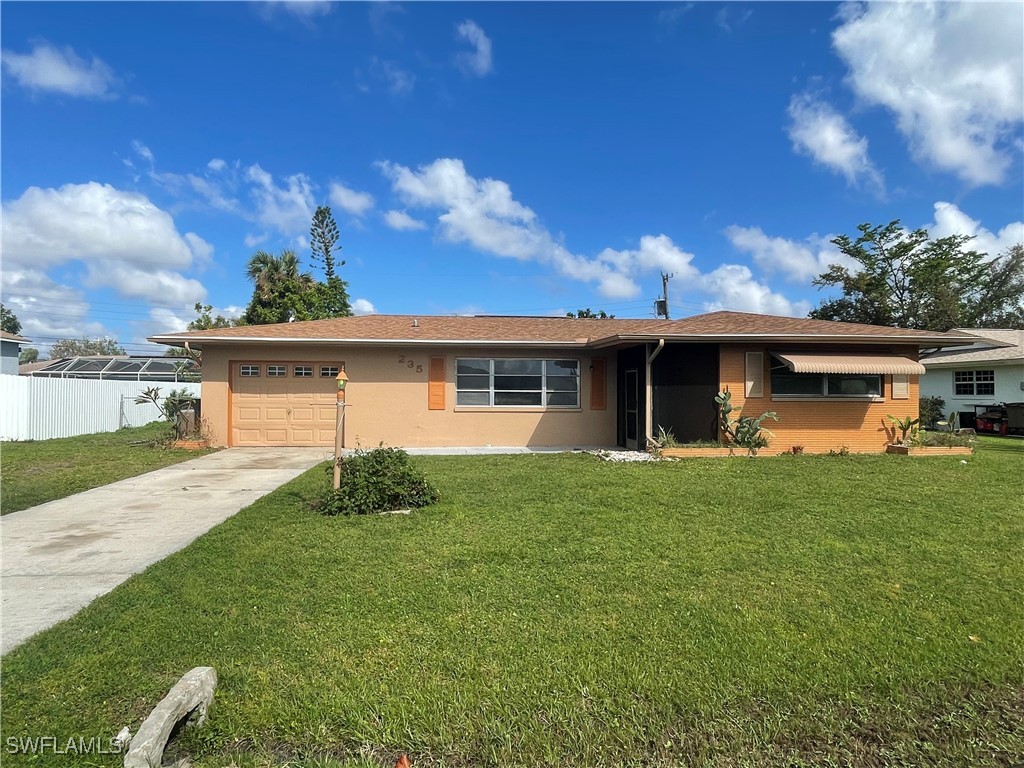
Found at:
<point>10,348</point>
<point>556,382</point>
<point>991,370</point>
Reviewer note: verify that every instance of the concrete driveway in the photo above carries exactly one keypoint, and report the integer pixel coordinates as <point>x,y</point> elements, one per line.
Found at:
<point>59,556</point>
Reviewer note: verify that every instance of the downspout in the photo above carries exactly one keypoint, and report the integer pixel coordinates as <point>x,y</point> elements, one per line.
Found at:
<point>649,409</point>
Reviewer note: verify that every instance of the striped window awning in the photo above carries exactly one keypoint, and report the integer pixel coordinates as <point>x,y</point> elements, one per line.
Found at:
<point>816,362</point>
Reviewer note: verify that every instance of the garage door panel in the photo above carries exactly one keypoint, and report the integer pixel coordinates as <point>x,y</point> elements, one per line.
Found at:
<point>287,410</point>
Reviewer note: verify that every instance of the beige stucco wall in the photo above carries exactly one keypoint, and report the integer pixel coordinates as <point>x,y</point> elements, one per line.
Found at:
<point>387,399</point>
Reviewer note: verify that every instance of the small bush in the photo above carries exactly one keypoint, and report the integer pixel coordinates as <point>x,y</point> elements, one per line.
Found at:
<point>932,410</point>
<point>376,481</point>
<point>946,439</point>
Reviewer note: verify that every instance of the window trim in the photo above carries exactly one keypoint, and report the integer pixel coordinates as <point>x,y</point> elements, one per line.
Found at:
<point>304,367</point>
<point>544,391</point>
<point>973,382</point>
<point>277,371</point>
<point>250,370</point>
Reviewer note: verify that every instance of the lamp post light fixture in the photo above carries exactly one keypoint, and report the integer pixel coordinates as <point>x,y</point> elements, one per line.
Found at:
<point>339,427</point>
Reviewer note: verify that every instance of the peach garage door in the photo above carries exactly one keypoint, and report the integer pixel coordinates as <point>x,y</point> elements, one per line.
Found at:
<point>283,403</point>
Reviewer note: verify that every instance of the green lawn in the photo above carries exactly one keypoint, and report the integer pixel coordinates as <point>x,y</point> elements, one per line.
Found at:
<point>562,611</point>
<point>44,470</point>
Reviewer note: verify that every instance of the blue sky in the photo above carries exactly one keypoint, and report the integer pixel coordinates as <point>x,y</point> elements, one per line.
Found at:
<point>497,158</point>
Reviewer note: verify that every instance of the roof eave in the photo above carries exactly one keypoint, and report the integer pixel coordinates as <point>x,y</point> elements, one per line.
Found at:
<point>198,341</point>
<point>919,341</point>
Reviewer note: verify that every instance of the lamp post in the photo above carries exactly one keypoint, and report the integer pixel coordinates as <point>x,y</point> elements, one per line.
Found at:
<point>339,427</point>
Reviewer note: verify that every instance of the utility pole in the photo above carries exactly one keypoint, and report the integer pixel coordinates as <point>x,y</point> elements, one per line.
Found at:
<point>661,305</point>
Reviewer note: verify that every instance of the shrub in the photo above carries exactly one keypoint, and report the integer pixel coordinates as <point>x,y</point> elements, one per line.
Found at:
<point>947,439</point>
<point>376,481</point>
<point>932,409</point>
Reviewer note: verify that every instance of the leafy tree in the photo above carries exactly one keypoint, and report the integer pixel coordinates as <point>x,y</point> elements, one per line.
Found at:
<point>281,291</point>
<point>85,347</point>
<point>323,236</point>
<point>9,321</point>
<point>331,296</point>
<point>907,280</point>
<point>28,355</point>
<point>204,321</point>
<point>587,313</point>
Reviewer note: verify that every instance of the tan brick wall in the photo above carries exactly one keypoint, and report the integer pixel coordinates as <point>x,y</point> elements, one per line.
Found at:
<point>819,425</point>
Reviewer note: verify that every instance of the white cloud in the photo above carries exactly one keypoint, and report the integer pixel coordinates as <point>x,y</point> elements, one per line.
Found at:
<point>951,73</point>
<point>287,208</point>
<point>402,221</point>
<point>363,307</point>
<point>251,241</point>
<point>60,70</point>
<point>824,135</point>
<point>484,214</point>
<point>733,287</point>
<point>399,81</point>
<point>381,14</point>
<point>156,285</point>
<point>47,310</point>
<point>124,240</point>
<point>349,200</point>
<point>669,18</point>
<point>217,165</point>
<point>143,151</point>
<point>306,10</point>
<point>478,61</point>
<point>798,261</point>
<point>92,220</point>
<point>950,220</point>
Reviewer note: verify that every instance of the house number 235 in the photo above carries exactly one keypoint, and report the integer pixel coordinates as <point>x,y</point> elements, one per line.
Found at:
<point>403,360</point>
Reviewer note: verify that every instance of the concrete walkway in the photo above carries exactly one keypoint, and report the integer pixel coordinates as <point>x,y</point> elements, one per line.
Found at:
<point>59,556</point>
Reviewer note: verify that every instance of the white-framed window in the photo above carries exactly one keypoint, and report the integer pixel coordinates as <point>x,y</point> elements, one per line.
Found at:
<point>329,371</point>
<point>521,382</point>
<point>277,371</point>
<point>303,371</point>
<point>973,383</point>
<point>785,383</point>
<point>250,370</point>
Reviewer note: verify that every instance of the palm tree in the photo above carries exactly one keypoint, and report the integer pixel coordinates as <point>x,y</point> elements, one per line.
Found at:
<point>268,272</point>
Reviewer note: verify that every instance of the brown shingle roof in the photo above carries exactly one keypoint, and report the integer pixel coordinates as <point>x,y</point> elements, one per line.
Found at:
<point>429,329</point>
<point>6,336</point>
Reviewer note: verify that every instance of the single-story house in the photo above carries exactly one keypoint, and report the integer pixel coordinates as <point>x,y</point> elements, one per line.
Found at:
<point>990,370</point>
<point>10,349</point>
<point>555,382</point>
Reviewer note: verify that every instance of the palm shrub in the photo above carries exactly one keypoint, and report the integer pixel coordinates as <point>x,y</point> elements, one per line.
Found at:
<point>380,480</point>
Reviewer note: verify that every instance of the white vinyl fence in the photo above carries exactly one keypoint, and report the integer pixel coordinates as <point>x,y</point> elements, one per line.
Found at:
<point>38,408</point>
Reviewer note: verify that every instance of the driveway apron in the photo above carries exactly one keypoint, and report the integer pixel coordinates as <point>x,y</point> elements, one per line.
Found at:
<point>59,556</point>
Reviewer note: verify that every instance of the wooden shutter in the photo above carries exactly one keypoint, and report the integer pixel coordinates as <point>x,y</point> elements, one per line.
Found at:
<point>598,384</point>
<point>435,385</point>
<point>900,386</point>
<point>754,385</point>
